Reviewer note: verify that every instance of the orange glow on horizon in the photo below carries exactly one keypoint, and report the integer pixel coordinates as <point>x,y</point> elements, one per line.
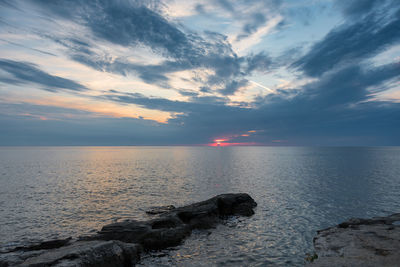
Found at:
<point>224,141</point>
<point>101,108</point>
<point>221,140</point>
<point>232,144</point>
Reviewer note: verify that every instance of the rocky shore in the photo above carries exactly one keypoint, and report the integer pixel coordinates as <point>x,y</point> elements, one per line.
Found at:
<point>121,243</point>
<point>359,242</point>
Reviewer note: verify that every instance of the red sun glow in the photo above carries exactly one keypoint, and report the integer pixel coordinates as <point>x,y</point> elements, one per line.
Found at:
<point>220,140</point>
<point>232,144</point>
<point>223,142</point>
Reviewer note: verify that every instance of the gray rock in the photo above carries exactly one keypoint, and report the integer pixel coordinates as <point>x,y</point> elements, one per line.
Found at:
<point>89,253</point>
<point>173,226</point>
<point>45,245</point>
<point>120,243</point>
<point>360,242</point>
<point>159,210</point>
<point>81,253</point>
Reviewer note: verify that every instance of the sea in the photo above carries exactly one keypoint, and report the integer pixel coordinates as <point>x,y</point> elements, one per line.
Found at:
<point>57,192</point>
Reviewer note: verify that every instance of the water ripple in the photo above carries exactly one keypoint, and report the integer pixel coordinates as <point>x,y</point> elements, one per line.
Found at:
<point>54,192</point>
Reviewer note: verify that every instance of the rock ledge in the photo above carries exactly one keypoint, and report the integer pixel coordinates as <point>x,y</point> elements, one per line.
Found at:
<point>359,242</point>
<point>120,244</point>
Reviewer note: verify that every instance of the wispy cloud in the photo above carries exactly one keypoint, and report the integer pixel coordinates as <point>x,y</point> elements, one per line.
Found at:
<point>355,40</point>
<point>23,72</point>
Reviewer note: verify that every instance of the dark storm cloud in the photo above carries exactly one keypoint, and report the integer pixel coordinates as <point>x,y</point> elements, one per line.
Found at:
<point>353,41</point>
<point>23,72</point>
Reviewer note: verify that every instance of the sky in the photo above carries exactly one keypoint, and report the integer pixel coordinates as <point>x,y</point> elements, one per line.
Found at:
<point>207,72</point>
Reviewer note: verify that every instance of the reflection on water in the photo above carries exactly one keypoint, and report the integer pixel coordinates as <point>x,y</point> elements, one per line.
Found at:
<point>51,192</point>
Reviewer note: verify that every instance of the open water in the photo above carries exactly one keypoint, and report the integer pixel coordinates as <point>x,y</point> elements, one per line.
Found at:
<point>55,192</point>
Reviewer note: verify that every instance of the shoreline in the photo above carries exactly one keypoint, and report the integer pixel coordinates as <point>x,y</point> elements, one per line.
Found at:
<point>121,243</point>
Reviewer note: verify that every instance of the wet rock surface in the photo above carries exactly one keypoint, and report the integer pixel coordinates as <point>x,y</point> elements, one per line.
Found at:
<point>160,210</point>
<point>360,242</point>
<point>120,244</point>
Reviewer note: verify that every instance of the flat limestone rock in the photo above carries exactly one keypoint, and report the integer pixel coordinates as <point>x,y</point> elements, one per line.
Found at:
<point>360,242</point>
<point>120,243</point>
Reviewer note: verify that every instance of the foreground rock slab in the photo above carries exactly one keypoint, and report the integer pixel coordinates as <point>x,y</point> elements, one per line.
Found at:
<point>360,242</point>
<point>120,244</point>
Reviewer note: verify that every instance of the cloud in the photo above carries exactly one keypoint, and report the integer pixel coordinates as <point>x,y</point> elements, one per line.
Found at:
<point>133,23</point>
<point>26,128</point>
<point>333,110</point>
<point>187,92</point>
<point>339,105</point>
<point>195,104</point>
<point>234,86</point>
<point>349,85</point>
<point>357,8</point>
<point>24,72</point>
<point>214,54</point>
<point>125,23</point>
<point>336,109</point>
<point>259,62</point>
<point>353,41</point>
<point>26,47</point>
<point>253,15</point>
<point>7,4</point>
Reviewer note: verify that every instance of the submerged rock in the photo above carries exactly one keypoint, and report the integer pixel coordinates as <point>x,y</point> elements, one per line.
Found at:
<point>159,210</point>
<point>120,243</point>
<point>57,243</point>
<point>360,242</point>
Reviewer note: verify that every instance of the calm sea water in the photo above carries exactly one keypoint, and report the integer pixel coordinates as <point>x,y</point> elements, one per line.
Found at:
<point>54,192</point>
